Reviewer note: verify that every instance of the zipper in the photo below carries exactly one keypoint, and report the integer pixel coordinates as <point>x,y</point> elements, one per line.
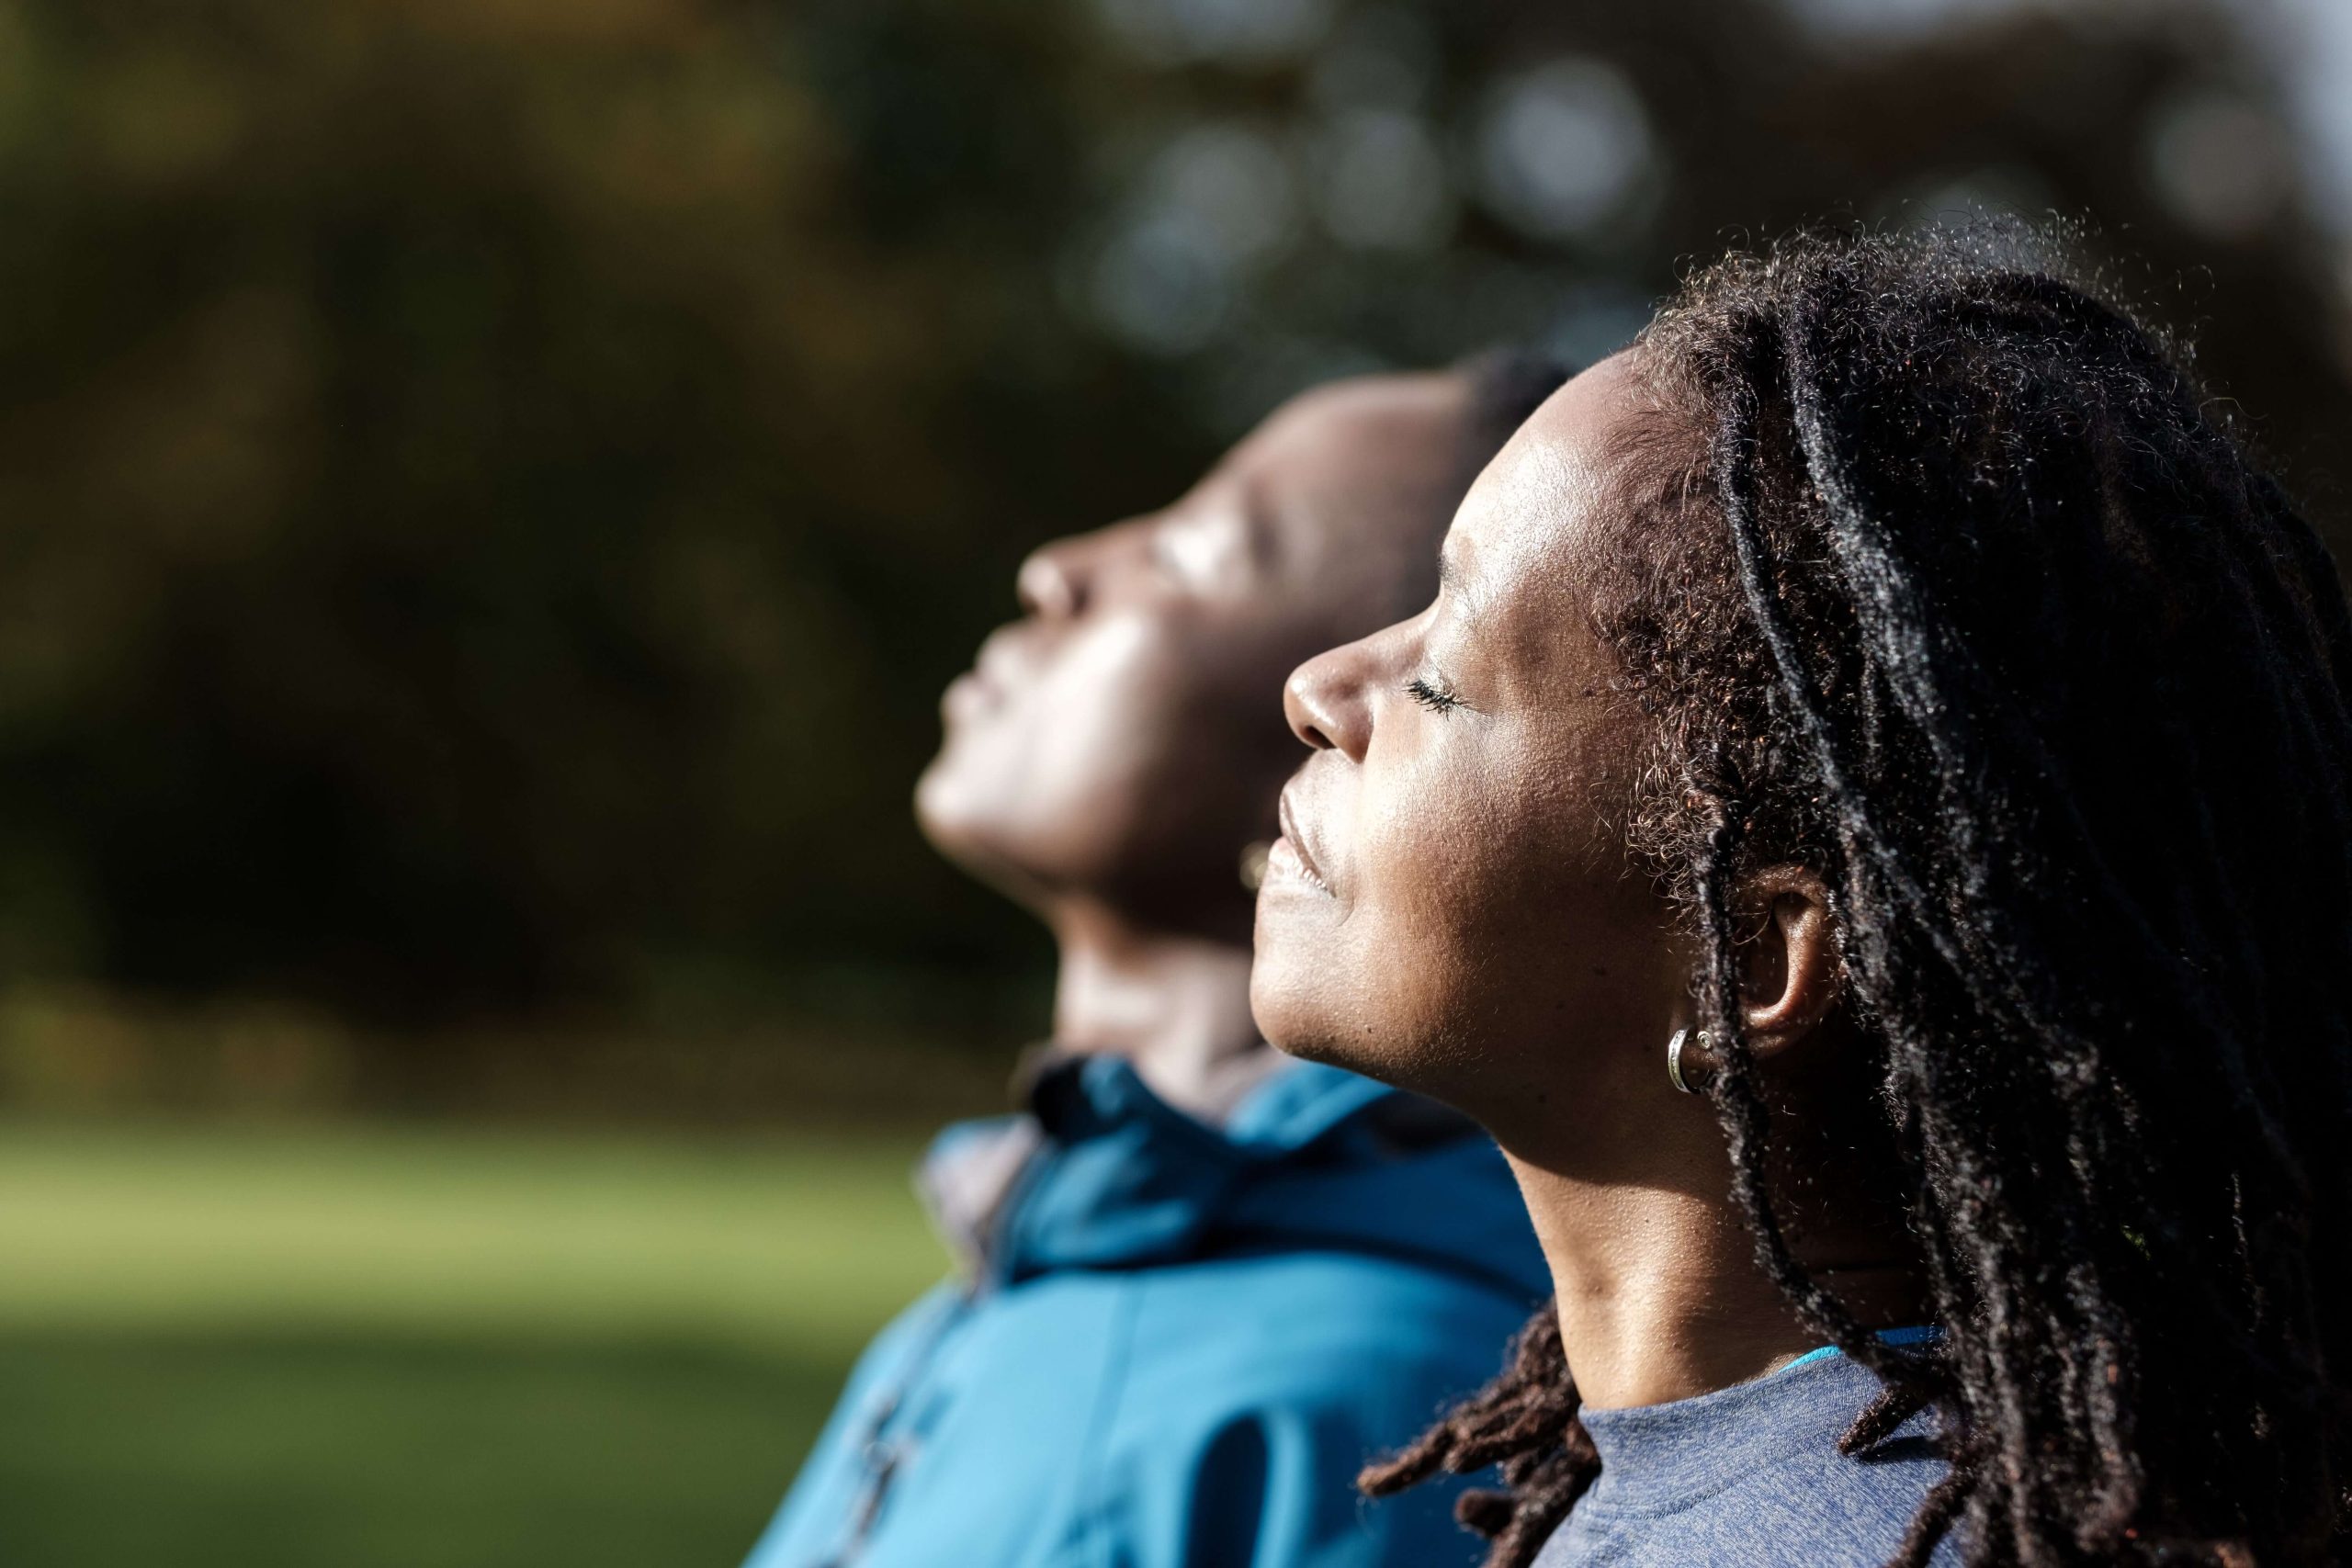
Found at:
<point>886,1456</point>
<point>883,1455</point>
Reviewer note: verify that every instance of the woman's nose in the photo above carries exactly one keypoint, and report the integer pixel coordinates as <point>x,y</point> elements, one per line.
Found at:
<point>1328,700</point>
<point>1051,583</point>
<point>1071,575</point>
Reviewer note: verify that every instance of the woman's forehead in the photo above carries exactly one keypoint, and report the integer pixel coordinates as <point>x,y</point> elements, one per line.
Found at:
<point>1544,508</point>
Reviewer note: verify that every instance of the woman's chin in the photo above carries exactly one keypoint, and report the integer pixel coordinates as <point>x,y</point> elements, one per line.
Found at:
<point>1291,999</point>
<point>1320,1049</point>
<point>1311,1004</point>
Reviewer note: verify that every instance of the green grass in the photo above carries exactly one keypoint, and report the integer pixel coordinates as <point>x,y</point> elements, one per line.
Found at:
<point>355,1347</point>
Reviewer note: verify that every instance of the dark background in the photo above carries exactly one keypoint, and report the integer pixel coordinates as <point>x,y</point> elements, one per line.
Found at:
<point>489,490</point>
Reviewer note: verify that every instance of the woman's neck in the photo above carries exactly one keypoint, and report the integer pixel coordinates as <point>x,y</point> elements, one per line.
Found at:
<point>1660,1296</point>
<point>1175,1006</point>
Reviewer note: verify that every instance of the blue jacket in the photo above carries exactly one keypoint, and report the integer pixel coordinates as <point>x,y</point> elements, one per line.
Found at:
<point>1176,1343</point>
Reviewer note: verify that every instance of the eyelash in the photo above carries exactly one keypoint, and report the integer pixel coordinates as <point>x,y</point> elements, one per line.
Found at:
<point>1434,696</point>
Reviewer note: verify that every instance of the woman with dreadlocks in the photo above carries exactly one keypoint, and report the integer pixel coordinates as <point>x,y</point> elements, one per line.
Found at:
<point>1867,824</point>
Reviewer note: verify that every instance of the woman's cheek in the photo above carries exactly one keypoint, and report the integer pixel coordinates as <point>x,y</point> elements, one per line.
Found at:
<point>1431,890</point>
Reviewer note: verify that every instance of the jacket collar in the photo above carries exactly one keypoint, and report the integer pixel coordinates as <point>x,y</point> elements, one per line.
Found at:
<point>1101,1172</point>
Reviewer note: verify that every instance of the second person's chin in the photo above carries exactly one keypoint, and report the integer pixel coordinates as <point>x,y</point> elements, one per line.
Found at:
<point>944,811</point>
<point>975,840</point>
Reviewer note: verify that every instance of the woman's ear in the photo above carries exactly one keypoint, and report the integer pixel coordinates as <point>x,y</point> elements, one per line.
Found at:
<point>1790,972</point>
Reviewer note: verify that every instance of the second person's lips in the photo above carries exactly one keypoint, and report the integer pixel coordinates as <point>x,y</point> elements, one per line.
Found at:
<point>1002,665</point>
<point>968,695</point>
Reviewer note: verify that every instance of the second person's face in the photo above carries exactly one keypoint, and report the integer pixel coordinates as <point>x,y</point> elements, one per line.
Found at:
<point>1452,906</point>
<point>1123,741</point>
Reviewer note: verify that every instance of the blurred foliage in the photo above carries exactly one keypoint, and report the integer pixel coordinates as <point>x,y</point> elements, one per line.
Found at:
<point>80,1051</point>
<point>491,488</point>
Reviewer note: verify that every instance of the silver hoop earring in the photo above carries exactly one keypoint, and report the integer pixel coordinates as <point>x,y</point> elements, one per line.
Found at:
<point>1674,1058</point>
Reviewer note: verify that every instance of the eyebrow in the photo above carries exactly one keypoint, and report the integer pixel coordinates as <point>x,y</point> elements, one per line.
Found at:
<point>1260,539</point>
<point>1452,580</point>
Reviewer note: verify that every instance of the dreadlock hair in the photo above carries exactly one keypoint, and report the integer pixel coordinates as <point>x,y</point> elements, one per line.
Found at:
<point>1960,598</point>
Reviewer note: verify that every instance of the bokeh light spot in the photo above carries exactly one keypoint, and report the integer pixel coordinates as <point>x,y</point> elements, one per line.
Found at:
<point>1565,150</point>
<point>1383,182</point>
<point>2219,164</point>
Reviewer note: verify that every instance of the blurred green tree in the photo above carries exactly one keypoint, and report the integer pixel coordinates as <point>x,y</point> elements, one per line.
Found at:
<point>491,488</point>
<point>488,489</point>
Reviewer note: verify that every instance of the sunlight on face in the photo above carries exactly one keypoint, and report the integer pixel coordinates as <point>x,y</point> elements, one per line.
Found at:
<point>1455,906</point>
<point>1124,737</point>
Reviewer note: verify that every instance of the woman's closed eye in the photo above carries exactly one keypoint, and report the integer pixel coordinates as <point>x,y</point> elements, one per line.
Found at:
<point>1432,693</point>
<point>1201,553</point>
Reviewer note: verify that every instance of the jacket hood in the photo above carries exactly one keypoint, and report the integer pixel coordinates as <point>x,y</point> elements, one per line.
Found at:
<point>1102,1173</point>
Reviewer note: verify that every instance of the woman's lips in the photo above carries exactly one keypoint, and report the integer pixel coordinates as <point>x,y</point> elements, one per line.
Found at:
<point>969,696</point>
<point>1283,863</point>
<point>1292,855</point>
<point>996,670</point>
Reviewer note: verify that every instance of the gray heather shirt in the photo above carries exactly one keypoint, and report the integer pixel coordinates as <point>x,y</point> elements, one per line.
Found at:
<point>1750,1477</point>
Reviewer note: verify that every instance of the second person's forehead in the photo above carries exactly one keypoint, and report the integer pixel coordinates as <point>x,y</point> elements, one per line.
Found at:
<point>1362,441</point>
<point>1360,434</point>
